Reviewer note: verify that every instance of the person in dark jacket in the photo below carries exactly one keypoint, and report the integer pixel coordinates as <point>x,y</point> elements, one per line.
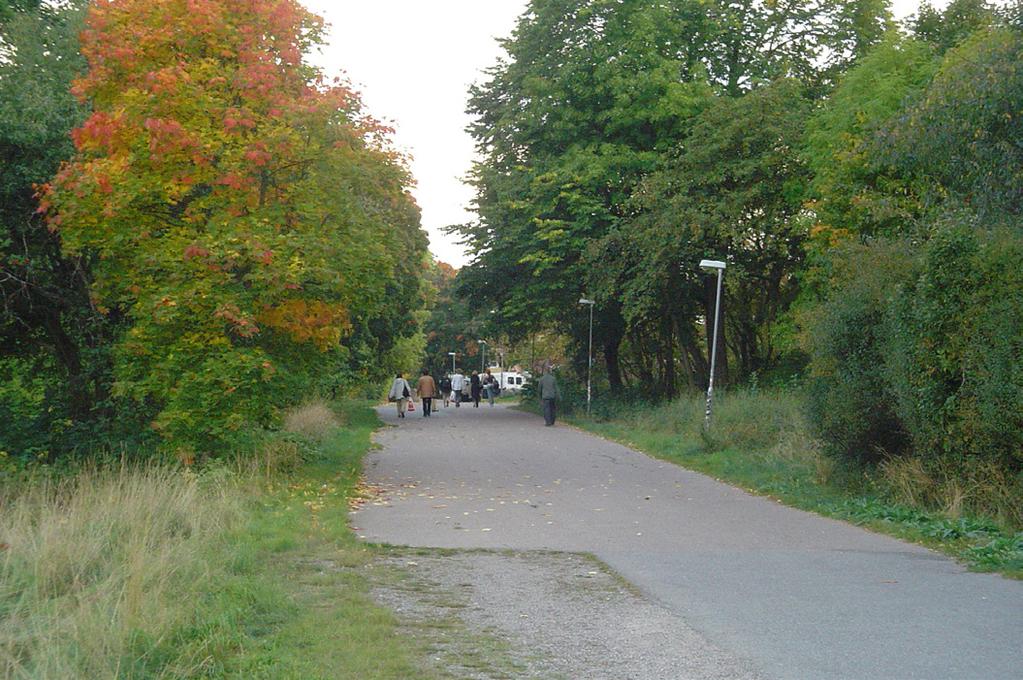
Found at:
<point>549,393</point>
<point>445,390</point>
<point>490,386</point>
<point>475,388</point>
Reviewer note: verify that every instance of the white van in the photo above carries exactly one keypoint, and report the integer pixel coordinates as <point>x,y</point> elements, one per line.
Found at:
<point>510,381</point>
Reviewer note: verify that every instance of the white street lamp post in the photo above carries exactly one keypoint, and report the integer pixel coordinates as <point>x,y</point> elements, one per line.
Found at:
<point>452,355</point>
<point>719,266</point>
<point>589,353</point>
<point>483,355</point>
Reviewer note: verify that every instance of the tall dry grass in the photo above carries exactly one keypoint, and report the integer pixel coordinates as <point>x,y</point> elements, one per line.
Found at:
<point>100,574</point>
<point>314,419</point>
<point>749,420</point>
<point>312,422</point>
<point>770,427</point>
<point>956,487</point>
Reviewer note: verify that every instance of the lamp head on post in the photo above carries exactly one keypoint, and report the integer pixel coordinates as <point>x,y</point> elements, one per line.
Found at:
<point>584,301</point>
<point>712,265</point>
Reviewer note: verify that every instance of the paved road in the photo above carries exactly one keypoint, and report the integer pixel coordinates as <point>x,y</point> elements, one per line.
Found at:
<point>800,596</point>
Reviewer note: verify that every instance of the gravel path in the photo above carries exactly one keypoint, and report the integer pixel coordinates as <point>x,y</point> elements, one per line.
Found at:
<point>799,596</point>
<point>561,615</point>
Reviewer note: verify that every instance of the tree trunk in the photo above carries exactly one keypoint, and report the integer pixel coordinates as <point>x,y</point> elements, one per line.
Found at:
<point>669,386</point>
<point>614,369</point>
<point>67,354</point>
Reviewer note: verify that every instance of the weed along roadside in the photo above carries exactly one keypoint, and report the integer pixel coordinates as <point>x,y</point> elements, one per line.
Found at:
<point>243,570</point>
<point>760,441</point>
<point>331,627</point>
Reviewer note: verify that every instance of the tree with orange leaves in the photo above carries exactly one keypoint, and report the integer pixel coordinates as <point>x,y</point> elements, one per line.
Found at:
<point>242,213</point>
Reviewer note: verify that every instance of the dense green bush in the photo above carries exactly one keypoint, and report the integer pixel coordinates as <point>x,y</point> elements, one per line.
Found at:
<point>957,346</point>
<point>22,397</point>
<point>923,350</point>
<point>850,407</point>
<point>994,356</point>
<point>918,344</point>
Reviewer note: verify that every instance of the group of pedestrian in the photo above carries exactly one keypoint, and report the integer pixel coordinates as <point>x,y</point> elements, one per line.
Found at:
<point>455,387</point>
<point>472,388</point>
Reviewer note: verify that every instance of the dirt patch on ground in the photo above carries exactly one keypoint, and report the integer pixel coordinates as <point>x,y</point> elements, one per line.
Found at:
<point>485,614</point>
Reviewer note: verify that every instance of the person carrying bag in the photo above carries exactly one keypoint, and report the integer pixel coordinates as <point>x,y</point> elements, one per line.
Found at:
<point>400,393</point>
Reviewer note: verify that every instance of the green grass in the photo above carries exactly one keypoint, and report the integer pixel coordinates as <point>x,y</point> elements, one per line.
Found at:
<point>760,441</point>
<point>240,571</point>
<point>328,627</point>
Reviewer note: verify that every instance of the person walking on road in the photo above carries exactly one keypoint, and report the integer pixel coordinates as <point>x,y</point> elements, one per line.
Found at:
<point>475,388</point>
<point>549,394</point>
<point>457,385</point>
<point>490,385</point>
<point>445,389</point>
<point>400,393</point>
<point>427,390</point>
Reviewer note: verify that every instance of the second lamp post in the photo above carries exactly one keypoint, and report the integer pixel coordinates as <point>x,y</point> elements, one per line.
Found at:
<point>589,353</point>
<point>719,266</point>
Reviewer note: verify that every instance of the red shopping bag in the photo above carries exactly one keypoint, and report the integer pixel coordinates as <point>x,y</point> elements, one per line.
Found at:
<point>411,405</point>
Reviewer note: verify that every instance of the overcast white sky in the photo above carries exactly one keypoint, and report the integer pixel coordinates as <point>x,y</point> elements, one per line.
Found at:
<point>413,61</point>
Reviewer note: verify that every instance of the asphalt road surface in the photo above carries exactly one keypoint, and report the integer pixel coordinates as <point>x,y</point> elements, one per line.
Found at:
<point>799,596</point>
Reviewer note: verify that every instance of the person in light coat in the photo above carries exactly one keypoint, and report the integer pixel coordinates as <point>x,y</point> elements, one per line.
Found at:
<point>457,385</point>
<point>400,393</point>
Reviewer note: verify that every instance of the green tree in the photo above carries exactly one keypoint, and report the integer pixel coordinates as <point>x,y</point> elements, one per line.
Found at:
<point>736,189</point>
<point>852,191</point>
<point>596,95</point>
<point>451,325</point>
<point>962,138</point>
<point>956,22</point>
<point>245,215</point>
<point>591,94</point>
<point>753,42</point>
<point>46,319</point>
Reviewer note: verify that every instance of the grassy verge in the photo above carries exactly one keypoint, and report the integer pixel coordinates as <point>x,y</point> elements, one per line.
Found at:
<point>241,571</point>
<point>760,441</point>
